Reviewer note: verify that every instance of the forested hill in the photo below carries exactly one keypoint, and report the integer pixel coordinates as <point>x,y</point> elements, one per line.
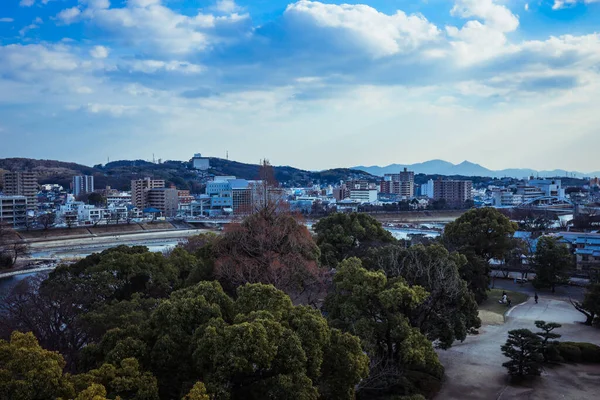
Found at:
<point>118,174</point>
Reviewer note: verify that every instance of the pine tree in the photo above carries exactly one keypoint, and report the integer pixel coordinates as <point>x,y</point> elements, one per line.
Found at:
<point>523,347</point>
<point>546,335</point>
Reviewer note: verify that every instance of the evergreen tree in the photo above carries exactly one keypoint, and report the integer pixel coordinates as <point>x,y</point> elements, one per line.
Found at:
<point>546,335</point>
<point>523,347</point>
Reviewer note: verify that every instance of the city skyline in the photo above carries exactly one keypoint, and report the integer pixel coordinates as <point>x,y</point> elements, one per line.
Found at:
<point>505,84</point>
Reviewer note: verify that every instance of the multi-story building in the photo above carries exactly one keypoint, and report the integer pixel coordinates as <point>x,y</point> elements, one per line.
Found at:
<point>401,184</point>
<point>587,251</point>
<point>550,187</point>
<point>139,188</point>
<point>118,198</point>
<point>13,211</point>
<point>363,195</point>
<point>22,184</point>
<point>506,198</point>
<point>529,193</point>
<point>185,197</point>
<point>454,192</point>
<point>200,163</point>
<point>427,189</point>
<point>163,199</point>
<point>340,193</point>
<point>83,184</point>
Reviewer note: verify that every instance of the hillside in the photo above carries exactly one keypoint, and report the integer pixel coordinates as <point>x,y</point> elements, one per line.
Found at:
<point>118,174</point>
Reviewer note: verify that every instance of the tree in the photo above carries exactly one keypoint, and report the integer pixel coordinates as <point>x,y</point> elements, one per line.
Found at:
<point>257,346</point>
<point>124,381</point>
<point>590,306</point>
<point>546,335</point>
<point>450,312</point>
<point>12,247</point>
<point>523,347</point>
<point>552,262</point>
<point>198,392</point>
<point>481,235</point>
<point>47,220</point>
<point>96,199</point>
<point>368,305</point>
<point>269,247</point>
<point>28,372</point>
<point>340,236</point>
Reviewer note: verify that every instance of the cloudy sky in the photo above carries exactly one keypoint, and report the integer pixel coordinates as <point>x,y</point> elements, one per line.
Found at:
<point>504,83</point>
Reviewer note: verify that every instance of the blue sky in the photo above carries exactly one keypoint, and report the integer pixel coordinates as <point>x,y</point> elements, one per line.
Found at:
<point>505,83</point>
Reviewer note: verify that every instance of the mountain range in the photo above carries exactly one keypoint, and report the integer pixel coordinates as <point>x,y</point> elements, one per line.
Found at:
<point>466,168</point>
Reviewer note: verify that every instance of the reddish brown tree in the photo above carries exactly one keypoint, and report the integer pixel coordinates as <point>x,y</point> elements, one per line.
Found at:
<point>273,248</point>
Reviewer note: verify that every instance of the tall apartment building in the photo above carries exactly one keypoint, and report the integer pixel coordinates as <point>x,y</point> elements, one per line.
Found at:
<point>455,192</point>
<point>83,184</point>
<point>139,188</point>
<point>402,184</point>
<point>22,184</point>
<point>13,211</point>
<point>163,199</point>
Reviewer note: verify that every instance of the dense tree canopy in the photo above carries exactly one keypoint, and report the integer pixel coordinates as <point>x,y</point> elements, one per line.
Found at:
<point>367,304</point>
<point>553,262</point>
<point>254,347</point>
<point>450,312</point>
<point>348,235</point>
<point>480,234</point>
<point>268,247</point>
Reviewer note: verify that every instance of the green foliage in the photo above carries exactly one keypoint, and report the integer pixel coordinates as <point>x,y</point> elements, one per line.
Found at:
<point>523,347</point>
<point>198,392</point>
<point>552,261</point>
<point>480,234</point>
<point>125,381</point>
<point>569,352</point>
<point>28,372</point>
<point>450,312</point>
<point>579,352</point>
<point>374,308</point>
<point>546,334</point>
<point>257,346</point>
<point>340,236</point>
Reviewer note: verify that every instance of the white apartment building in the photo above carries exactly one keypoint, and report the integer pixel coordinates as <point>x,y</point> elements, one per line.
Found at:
<point>506,198</point>
<point>363,195</point>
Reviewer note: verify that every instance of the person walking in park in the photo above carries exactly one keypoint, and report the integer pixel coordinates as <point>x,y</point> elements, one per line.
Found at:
<point>536,298</point>
<point>508,301</point>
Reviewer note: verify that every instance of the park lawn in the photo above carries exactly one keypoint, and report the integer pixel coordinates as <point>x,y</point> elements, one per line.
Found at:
<point>491,305</point>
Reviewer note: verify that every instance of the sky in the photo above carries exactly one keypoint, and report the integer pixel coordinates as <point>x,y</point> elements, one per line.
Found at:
<point>315,85</point>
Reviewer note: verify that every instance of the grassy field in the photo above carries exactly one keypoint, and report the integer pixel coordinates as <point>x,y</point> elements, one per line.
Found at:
<point>491,311</point>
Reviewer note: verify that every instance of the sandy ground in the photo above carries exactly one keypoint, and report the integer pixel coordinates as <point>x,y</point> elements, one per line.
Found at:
<point>474,368</point>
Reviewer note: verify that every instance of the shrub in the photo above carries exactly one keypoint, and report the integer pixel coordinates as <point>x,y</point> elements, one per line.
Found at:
<point>589,352</point>
<point>569,352</point>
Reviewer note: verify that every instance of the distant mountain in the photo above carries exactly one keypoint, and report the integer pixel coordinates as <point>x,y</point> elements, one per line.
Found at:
<point>466,168</point>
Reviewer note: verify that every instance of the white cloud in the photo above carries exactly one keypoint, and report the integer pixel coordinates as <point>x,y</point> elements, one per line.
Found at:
<point>526,6</point>
<point>69,15</point>
<point>27,28</point>
<point>226,6</point>
<point>376,33</point>
<point>495,16</point>
<point>6,19</point>
<point>96,4</point>
<point>26,3</point>
<point>153,27</point>
<point>99,52</point>
<point>559,4</point>
<point>153,66</point>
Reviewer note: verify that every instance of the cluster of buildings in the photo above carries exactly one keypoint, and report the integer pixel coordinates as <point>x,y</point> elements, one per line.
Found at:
<point>538,191</point>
